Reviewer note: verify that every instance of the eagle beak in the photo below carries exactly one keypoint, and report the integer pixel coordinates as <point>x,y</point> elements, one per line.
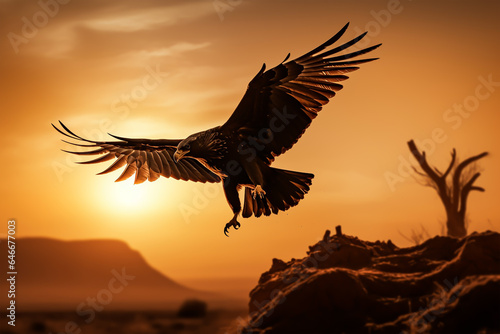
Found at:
<point>178,155</point>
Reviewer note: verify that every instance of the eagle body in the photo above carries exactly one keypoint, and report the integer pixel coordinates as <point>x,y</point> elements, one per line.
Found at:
<point>236,161</point>
<point>275,111</point>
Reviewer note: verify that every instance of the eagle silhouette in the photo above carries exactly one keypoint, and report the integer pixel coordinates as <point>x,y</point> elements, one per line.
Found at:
<point>276,109</point>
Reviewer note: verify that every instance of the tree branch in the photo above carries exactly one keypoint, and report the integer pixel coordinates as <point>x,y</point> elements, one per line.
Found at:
<point>422,161</point>
<point>456,177</point>
<point>438,172</point>
<point>440,183</point>
<point>467,188</point>
<point>418,172</point>
<point>453,158</point>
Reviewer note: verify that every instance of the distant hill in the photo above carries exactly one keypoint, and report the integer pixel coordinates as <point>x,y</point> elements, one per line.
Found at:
<point>55,274</point>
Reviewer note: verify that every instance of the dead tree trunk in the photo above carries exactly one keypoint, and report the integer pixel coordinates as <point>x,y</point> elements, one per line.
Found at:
<point>454,193</point>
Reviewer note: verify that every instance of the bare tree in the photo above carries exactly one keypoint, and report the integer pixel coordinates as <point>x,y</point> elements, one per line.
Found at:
<point>453,193</point>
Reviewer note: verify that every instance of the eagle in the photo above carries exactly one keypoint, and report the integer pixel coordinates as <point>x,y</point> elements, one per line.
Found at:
<point>276,109</point>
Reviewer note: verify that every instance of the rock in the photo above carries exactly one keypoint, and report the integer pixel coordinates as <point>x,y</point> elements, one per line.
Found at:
<point>346,285</point>
<point>333,298</point>
<point>326,236</point>
<point>474,298</point>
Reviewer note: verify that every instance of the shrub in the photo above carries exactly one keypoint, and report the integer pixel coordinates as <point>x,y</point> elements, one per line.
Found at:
<point>193,308</point>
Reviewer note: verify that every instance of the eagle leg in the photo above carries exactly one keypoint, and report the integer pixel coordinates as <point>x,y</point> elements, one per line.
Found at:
<point>256,170</point>
<point>231,191</point>
<point>234,223</point>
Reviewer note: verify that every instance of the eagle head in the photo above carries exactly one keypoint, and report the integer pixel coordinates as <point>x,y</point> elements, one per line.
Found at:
<point>187,148</point>
<point>201,145</point>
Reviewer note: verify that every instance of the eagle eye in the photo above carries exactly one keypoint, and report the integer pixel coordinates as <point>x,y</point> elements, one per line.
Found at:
<point>186,147</point>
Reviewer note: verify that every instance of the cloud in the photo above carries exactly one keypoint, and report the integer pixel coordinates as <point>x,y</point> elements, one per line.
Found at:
<point>145,56</point>
<point>148,18</point>
<point>76,29</point>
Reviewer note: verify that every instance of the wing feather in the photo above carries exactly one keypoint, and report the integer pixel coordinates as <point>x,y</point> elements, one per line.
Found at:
<point>128,171</point>
<point>167,170</point>
<point>104,158</point>
<point>148,159</point>
<point>98,151</point>
<point>117,164</point>
<point>174,171</point>
<point>142,172</point>
<point>155,162</point>
<point>297,88</point>
<point>153,176</point>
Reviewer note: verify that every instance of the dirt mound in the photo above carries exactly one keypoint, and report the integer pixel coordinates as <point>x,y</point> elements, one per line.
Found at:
<point>346,285</point>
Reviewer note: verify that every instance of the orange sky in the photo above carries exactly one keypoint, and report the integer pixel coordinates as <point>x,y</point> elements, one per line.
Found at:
<point>87,66</point>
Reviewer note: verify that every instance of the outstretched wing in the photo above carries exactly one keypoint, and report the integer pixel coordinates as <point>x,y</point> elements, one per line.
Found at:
<point>280,103</point>
<point>147,158</point>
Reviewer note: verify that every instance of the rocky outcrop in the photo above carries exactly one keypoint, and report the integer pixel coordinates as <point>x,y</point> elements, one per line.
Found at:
<point>346,285</point>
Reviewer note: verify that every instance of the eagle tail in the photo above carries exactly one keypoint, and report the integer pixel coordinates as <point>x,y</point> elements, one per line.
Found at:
<point>283,188</point>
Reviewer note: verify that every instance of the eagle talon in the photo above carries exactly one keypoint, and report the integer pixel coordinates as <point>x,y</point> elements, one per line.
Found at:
<point>258,191</point>
<point>234,223</point>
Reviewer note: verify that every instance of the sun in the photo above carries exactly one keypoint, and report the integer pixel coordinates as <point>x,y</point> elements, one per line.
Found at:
<point>127,194</point>
<point>128,197</point>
